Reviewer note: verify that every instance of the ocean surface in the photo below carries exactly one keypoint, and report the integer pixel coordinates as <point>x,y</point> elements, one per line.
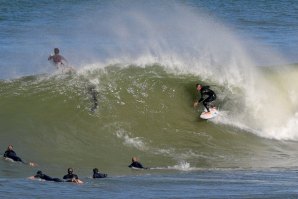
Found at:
<point>136,65</point>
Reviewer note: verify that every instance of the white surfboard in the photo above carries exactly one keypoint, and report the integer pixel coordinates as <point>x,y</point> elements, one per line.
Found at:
<point>32,164</point>
<point>9,159</point>
<point>208,115</point>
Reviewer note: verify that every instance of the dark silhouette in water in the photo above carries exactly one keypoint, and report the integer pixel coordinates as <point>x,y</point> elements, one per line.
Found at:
<point>96,174</point>
<point>136,164</point>
<point>11,154</point>
<point>92,91</point>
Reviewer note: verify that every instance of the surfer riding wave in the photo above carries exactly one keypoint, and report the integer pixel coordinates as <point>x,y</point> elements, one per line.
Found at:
<point>207,96</point>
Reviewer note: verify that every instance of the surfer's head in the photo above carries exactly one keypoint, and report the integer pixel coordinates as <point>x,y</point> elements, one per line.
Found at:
<point>134,159</point>
<point>69,170</point>
<point>56,51</point>
<point>95,170</point>
<point>199,87</point>
<point>10,147</point>
<point>39,173</point>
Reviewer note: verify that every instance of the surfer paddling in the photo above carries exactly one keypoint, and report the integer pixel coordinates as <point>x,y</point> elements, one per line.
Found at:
<point>11,155</point>
<point>136,164</point>
<point>207,96</point>
<point>40,175</point>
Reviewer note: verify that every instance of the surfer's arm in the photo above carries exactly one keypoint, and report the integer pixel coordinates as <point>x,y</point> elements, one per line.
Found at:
<point>31,177</point>
<point>32,164</point>
<point>18,159</point>
<point>196,103</point>
<point>63,60</point>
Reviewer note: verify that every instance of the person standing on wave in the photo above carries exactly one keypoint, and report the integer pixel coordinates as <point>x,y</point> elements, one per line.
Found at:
<point>207,96</point>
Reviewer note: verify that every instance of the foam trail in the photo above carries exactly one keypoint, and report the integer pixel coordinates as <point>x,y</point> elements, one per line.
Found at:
<point>181,166</point>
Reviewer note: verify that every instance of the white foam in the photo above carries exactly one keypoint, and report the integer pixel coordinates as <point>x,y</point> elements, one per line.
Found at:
<point>181,166</point>
<point>135,142</point>
<point>288,131</point>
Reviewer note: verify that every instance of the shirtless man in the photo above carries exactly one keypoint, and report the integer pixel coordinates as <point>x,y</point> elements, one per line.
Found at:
<point>57,58</point>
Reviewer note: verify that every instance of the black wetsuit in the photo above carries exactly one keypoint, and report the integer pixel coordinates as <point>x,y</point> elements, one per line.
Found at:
<point>69,177</point>
<point>211,96</point>
<point>99,175</point>
<point>47,178</point>
<point>12,155</point>
<point>136,165</point>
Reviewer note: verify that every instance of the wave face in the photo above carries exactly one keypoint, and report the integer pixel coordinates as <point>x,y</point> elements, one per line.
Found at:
<point>141,111</point>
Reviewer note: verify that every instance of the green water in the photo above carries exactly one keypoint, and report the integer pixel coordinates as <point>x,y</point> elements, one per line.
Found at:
<point>144,112</point>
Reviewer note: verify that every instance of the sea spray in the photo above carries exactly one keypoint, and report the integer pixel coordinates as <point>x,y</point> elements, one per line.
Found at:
<point>185,42</point>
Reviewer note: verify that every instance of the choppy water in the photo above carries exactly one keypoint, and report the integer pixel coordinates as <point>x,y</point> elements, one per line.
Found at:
<point>141,61</point>
<point>205,184</point>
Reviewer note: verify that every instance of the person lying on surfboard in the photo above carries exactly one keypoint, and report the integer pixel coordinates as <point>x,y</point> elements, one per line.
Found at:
<point>10,154</point>
<point>57,58</point>
<point>136,164</point>
<point>40,175</point>
<point>207,96</point>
